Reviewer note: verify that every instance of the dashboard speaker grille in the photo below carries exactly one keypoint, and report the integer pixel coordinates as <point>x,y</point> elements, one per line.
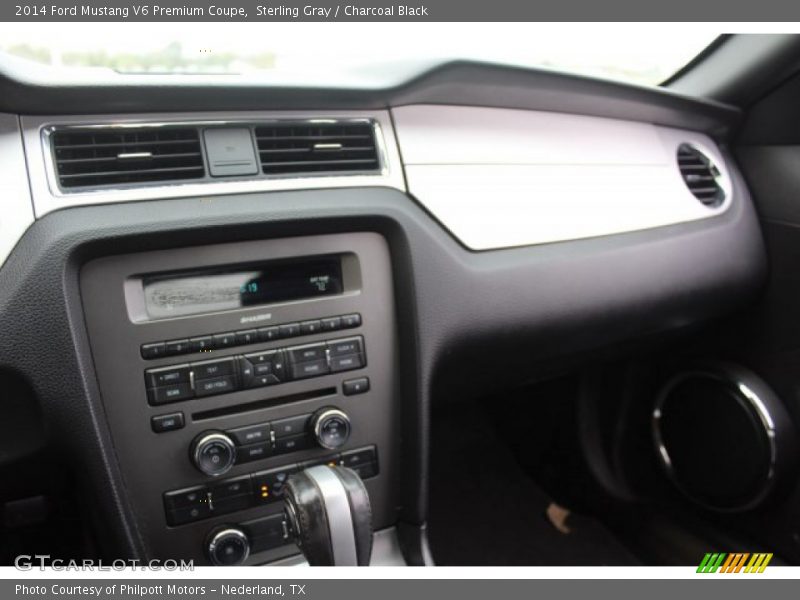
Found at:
<point>103,157</point>
<point>700,175</point>
<point>289,148</point>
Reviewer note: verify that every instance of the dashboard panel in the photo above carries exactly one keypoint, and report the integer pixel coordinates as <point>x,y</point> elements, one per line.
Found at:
<point>463,267</point>
<point>500,178</point>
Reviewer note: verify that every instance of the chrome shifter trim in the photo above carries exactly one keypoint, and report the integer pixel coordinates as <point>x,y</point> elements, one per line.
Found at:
<point>337,509</point>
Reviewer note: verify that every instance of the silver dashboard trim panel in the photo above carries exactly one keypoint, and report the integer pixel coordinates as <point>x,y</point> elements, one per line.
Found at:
<point>501,178</point>
<point>17,213</point>
<point>48,196</point>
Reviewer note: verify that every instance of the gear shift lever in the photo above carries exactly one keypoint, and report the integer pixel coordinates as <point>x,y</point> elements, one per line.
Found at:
<point>329,513</point>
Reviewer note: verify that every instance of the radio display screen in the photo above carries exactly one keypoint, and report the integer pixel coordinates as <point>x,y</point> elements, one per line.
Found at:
<point>199,292</point>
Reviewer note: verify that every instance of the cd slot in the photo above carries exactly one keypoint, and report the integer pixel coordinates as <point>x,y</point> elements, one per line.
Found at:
<point>236,409</point>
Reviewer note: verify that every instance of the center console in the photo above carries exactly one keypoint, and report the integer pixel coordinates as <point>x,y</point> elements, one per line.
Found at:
<point>225,368</point>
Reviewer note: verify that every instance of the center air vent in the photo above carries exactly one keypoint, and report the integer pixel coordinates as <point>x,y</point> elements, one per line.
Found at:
<point>288,148</point>
<point>104,157</point>
<point>700,175</point>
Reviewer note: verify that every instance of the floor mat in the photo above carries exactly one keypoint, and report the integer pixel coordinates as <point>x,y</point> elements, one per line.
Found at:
<point>484,510</point>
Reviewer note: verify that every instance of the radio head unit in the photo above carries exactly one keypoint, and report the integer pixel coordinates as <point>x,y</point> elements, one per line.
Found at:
<point>212,290</point>
<point>225,368</point>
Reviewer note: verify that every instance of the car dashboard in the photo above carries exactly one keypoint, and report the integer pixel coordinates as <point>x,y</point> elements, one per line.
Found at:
<point>291,286</point>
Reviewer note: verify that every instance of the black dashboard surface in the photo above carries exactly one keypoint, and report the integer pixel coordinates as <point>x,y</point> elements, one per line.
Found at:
<point>494,314</point>
<point>463,83</point>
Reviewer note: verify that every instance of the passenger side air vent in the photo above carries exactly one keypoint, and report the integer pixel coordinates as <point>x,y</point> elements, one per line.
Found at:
<point>289,148</point>
<point>106,157</point>
<point>700,175</point>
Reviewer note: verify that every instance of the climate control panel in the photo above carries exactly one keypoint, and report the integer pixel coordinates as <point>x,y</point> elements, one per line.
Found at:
<point>255,489</point>
<point>213,453</point>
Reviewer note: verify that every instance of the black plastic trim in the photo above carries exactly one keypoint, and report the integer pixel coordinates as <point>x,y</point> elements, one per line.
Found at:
<point>492,315</point>
<point>454,83</point>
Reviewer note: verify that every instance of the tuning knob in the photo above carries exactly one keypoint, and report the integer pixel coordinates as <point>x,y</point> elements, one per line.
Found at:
<point>227,546</point>
<point>331,427</point>
<point>213,453</point>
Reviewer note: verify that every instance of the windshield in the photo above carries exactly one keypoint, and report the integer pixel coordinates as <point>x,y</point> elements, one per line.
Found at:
<point>375,54</point>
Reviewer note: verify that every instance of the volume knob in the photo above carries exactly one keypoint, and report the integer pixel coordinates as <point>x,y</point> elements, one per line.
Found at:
<point>213,453</point>
<point>331,427</point>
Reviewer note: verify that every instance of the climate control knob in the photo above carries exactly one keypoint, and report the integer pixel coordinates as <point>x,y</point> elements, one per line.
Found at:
<point>227,546</point>
<point>213,453</point>
<point>331,427</point>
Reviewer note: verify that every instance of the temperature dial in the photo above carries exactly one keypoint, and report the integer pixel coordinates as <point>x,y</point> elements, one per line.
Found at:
<point>331,427</point>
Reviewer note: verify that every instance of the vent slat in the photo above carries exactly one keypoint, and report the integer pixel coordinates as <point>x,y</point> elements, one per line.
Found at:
<point>316,138</point>
<point>107,157</point>
<point>67,146</point>
<point>294,163</point>
<point>700,176</point>
<point>300,150</point>
<point>287,148</point>
<point>70,161</point>
<point>130,172</point>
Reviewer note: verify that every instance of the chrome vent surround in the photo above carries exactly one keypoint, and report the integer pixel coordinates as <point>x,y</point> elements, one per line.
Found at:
<point>317,147</point>
<point>103,157</point>
<point>700,175</point>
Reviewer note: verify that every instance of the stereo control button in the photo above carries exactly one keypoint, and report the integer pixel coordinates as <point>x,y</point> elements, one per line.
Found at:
<point>170,422</point>
<point>249,336</point>
<point>218,385</point>
<point>203,343</point>
<point>351,387</point>
<point>291,426</point>
<point>213,368</point>
<point>154,350</point>
<point>310,327</point>
<point>166,375</point>
<point>346,346</point>
<point>309,369</point>
<point>173,347</point>
<point>268,334</point>
<point>294,443</point>
<point>253,452</point>
<point>169,393</point>
<point>263,381</point>
<point>347,363</point>
<point>289,330</point>
<point>266,368</point>
<point>299,354</point>
<point>331,323</point>
<point>350,321</point>
<point>224,340</point>
<point>250,434</point>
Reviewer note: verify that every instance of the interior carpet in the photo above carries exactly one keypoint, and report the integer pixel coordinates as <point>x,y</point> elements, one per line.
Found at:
<point>485,510</point>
